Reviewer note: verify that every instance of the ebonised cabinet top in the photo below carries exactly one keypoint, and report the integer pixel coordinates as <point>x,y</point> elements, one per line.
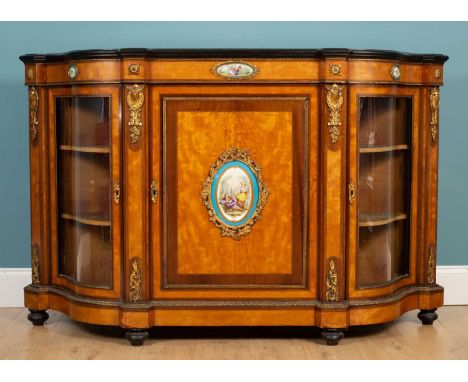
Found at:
<point>232,53</point>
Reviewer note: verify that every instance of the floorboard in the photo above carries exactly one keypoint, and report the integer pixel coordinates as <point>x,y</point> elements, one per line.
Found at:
<point>405,338</point>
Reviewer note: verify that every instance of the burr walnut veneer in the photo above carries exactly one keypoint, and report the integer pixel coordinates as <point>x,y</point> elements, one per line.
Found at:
<point>233,187</point>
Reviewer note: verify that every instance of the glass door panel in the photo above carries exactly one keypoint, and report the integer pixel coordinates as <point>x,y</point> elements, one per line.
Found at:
<point>84,191</point>
<point>384,189</point>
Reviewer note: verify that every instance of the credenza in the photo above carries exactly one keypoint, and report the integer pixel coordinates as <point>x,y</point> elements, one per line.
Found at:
<point>233,187</point>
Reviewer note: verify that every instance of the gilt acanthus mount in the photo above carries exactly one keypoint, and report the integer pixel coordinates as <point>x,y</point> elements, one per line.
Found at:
<point>234,193</point>
<point>334,102</point>
<point>135,102</point>
<point>33,109</point>
<point>136,279</point>
<point>332,293</point>
<point>434,98</point>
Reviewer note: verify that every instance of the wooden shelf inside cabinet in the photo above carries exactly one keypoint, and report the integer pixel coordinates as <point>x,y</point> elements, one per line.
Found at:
<point>85,149</point>
<point>382,149</point>
<point>373,220</point>
<point>95,222</point>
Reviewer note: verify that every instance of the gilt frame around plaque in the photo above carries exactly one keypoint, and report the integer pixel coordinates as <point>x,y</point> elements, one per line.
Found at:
<point>234,193</point>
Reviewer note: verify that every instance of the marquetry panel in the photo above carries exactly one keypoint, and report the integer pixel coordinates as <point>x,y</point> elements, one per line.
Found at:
<point>30,74</point>
<point>135,70</point>
<point>38,189</point>
<point>433,74</point>
<point>334,70</point>
<point>196,129</point>
<point>135,190</point>
<point>334,136</point>
<point>375,71</point>
<point>431,133</point>
<point>87,71</point>
<point>265,70</point>
<point>199,254</point>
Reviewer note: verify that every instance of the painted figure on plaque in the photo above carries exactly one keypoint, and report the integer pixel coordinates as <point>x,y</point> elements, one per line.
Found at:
<point>235,71</point>
<point>234,193</point>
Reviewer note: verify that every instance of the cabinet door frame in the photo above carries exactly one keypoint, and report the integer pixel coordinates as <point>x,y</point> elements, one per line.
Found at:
<point>113,93</point>
<point>355,93</point>
<point>158,93</point>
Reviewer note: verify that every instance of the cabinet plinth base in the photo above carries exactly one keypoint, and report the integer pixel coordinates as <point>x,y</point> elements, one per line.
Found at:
<point>38,317</point>
<point>427,317</point>
<point>332,336</point>
<point>161,313</point>
<point>136,336</point>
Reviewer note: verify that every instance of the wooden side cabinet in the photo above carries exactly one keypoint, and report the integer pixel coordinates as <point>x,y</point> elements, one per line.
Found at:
<point>233,187</point>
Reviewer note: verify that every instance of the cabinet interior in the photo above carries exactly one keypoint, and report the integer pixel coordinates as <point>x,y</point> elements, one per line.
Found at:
<point>385,125</point>
<point>83,182</point>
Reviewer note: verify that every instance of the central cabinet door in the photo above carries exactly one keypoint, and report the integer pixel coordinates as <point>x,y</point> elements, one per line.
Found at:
<point>237,169</point>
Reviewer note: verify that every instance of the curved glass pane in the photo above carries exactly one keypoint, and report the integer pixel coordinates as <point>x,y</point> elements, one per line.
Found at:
<point>384,189</point>
<point>83,182</point>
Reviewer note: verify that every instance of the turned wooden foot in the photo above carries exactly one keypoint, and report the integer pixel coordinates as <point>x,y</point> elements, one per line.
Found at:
<point>38,317</point>
<point>136,336</point>
<point>427,317</point>
<point>332,336</point>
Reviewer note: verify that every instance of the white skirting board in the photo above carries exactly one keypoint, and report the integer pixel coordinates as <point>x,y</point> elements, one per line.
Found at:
<point>454,278</point>
<point>12,282</point>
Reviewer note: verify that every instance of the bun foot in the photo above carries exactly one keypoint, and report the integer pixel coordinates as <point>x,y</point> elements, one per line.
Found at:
<point>136,336</point>
<point>38,317</point>
<point>332,336</point>
<point>427,317</point>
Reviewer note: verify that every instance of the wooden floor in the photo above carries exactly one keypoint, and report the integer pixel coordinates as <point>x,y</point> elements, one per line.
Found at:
<point>405,338</point>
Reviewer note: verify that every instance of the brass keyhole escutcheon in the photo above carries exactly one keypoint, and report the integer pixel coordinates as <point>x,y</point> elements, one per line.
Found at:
<point>116,192</point>
<point>154,191</point>
<point>351,192</point>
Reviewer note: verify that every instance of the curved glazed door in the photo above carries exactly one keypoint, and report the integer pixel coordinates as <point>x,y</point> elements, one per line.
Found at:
<point>85,189</point>
<point>383,182</point>
<point>234,212</point>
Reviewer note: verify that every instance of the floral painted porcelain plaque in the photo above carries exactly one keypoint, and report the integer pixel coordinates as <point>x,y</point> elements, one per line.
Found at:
<point>235,70</point>
<point>234,193</point>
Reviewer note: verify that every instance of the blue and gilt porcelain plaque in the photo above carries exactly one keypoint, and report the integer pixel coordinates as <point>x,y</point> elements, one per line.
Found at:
<point>234,193</point>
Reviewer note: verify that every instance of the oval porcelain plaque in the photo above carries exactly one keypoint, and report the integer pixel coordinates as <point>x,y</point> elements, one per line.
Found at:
<point>395,72</point>
<point>234,193</point>
<point>73,71</point>
<point>235,70</point>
